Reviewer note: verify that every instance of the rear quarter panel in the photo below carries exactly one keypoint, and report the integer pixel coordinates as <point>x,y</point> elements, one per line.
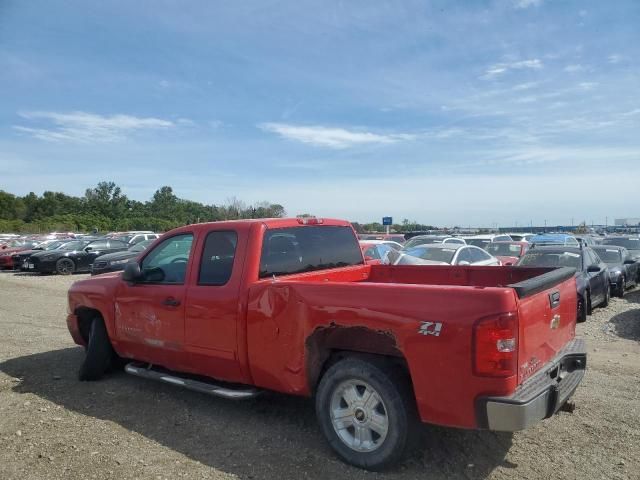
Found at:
<point>284,317</point>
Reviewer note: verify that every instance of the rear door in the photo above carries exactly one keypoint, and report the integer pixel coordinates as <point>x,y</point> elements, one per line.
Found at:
<point>212,306</point>
<point>547,321</point>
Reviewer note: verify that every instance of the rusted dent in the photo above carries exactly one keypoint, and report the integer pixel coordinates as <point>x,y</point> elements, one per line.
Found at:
<point>326,339</point>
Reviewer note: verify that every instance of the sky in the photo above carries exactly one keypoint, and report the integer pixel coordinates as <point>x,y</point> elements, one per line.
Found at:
<point>495,112</point>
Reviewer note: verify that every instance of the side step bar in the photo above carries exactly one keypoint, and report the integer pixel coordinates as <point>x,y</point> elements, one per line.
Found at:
<point>140,370</point>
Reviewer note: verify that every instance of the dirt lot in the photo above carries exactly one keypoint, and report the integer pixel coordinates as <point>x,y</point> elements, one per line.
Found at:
<point>52,426</point>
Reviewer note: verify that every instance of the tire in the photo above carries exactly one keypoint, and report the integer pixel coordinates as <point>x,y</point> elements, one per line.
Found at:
<point>369,435</point>
<point>582,310</point>
<point>65,266</point>
<point>99,353</point>
<point>588,303</point>
<point>607,296</point>
<point>621,288</point>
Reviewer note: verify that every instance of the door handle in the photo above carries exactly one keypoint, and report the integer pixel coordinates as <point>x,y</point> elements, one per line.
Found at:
<point>171,302</point>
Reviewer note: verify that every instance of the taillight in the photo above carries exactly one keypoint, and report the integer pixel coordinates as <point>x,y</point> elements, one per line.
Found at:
<point>495,341</point>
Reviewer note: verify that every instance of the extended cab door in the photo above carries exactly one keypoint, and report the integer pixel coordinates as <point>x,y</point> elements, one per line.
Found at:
<point>149,314</point>
<point>213,305</point>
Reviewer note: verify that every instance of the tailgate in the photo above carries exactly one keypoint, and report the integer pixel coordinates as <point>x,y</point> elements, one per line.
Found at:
<point>547,311</point>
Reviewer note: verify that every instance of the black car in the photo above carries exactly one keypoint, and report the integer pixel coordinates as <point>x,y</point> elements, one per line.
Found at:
<point>592,276</point>
<point>74,256</point>
<point>112,262</point>
<point>623,269</point>
<point>20,259</point>
<point>632,244</point>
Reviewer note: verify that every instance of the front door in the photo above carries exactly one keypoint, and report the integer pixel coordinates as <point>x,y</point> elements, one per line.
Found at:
<point>149,314</point>
<point>212,307</point>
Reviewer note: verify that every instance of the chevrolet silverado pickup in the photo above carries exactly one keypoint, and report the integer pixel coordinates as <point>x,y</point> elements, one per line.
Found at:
<point>238,307</point>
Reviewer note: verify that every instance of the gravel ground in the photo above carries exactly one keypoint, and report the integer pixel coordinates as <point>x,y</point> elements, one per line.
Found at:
<point>52,426</point>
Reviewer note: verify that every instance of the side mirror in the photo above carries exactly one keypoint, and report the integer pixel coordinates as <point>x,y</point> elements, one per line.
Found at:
<point>464,263</point>
<point>594,268</point>
<point>132,272</point>
<point>508,263</point>
<point>629,261</point>
<point>88,249</point>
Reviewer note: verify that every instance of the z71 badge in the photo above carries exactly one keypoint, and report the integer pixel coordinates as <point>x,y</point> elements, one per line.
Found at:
<point>430,328</point>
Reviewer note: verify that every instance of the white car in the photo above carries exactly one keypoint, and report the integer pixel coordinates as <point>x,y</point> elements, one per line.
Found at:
<point>429,239</point>
<point>483,240</point>
<point>444,254</point>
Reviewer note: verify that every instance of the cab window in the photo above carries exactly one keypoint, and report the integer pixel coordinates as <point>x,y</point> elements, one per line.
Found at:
<point>167,262</point>
<point>218,254</point>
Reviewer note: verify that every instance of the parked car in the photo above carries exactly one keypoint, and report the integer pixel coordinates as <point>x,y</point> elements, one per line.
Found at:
<point>444,254</point>
<point>632,244</point>
<point>592,277</point>
<point>288,305</point>
<point>507,252</point>
<point>113,262</point>
<point>21,258</point>
<point>561,239</point>
<point>72,257</point>
<point>135,237</point>
<point>428,239</point>
<point>623,269</point>
<point>10,248</point>
<point>521,237</point>
<point>391,237</point>
<point>483,240</point>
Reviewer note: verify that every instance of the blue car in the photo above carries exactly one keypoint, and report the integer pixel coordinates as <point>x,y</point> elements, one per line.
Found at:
<point>560,239</point>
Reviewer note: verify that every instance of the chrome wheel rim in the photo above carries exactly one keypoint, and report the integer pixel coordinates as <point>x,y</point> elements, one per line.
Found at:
<point>65,266</point>
<point>359,416</point>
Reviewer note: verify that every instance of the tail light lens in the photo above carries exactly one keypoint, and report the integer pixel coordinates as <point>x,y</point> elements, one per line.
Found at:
<point>495,341</point>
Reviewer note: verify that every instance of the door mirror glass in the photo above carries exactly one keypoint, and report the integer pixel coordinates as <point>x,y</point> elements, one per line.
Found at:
<point>629,261</point>
<point>593,268</point>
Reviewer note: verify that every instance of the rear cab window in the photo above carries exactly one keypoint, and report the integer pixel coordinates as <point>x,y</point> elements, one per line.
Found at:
<point>308,248</point>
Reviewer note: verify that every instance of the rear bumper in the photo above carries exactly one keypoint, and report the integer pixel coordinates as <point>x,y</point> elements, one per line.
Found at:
<point>540,396</point>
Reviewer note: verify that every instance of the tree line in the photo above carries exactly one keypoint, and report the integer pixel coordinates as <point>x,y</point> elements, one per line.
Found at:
<point>106,208</point>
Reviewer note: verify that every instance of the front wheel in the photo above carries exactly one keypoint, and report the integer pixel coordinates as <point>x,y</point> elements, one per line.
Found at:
<point>582,310</point>
<point>365,413</point>
<point>607,295</point>
<point>99,352</point>
<point>621,287</point>
<point>65,266</point>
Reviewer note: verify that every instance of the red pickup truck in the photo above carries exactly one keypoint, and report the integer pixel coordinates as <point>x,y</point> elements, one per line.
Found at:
<point>289,305</point>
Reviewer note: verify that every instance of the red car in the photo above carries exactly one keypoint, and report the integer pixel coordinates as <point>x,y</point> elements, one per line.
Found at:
<point>507,252</point>
<point>11,247</point>
<point>289,305</point>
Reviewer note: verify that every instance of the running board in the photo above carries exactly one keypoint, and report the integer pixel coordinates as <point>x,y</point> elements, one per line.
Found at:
<point>140,370</point>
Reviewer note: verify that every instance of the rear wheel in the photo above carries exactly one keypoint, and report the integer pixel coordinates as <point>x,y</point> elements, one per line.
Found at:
<point>65,266</point>
<point>365,412</point>
<point>588,303</point>
<point>99,352</point>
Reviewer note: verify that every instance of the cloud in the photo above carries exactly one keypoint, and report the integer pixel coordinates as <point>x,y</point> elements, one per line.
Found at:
<point>331,137</point>
<point>614,58</point>
<point>83,127</point>
<point>500,68</point>
<point>573,68</point>
<point>527,3</point>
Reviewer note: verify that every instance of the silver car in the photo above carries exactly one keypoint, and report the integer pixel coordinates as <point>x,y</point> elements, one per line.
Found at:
<point>443,254</point>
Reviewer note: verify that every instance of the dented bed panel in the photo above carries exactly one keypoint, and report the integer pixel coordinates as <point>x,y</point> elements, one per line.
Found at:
<point>292,327</point>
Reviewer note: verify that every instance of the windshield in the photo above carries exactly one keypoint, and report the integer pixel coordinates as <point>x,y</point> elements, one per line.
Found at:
<point>552,259</point>
<point>53,245</point>
<point>432,254</point>
<point>478,242</point>
<point>628,243</point>
<point>609,255</point>
<point>504,249</point>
